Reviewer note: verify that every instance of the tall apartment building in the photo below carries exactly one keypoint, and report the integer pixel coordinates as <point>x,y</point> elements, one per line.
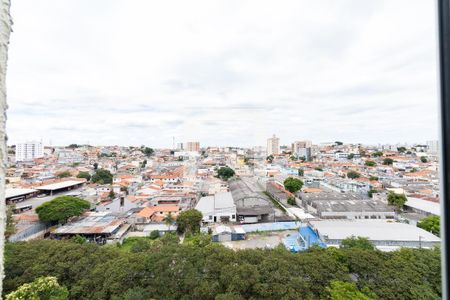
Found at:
<point>433,146</point>
<point>302,149</point>
<point>273,146</point>
<point>29,151</point>
<point>193,146</point>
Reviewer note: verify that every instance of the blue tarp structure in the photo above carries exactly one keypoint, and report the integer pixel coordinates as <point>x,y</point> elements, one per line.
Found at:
<point>303,239</point>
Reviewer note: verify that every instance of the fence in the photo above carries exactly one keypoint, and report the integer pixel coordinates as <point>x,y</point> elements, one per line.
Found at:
<point>33,229</point>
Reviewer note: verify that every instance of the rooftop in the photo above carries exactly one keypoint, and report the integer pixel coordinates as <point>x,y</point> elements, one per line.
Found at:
<point>374,230</point>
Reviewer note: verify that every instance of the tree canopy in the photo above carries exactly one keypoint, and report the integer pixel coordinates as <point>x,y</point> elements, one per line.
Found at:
<point>188,221</point>
<point>64,174</point>
<point>353,174</point>
<point>42,288</point>
<point>85,175</point>
<point>225,173</point>
<point>370,163</point>
<point>431,224</point>
<point>423,159</point>
<point>377,154</point>
<point>61,209</point>
<point>102,176</point>
<point>339,290</point>
<point>293,184</point>
<point>147,151</point>
<point>301,172</point>
<point>357,242</point>
<point>201,269</point>
<point>397,200</point>
<point>388,161</point>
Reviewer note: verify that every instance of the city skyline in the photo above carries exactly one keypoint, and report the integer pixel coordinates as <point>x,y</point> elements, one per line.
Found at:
<point>228,74</point>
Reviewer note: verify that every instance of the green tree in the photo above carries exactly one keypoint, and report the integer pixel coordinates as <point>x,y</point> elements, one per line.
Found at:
<point>397,200</point>
<point>351,156</point>
<point>61,209</point>
<point>154,234</point>
<point>373,178</point>
<point>371,192</point>
<point>147,151</point>
<point>293,184</point>
<point>168,220</point>
<point>42,288</point>
<point>270,158</point>
<point>401,149</point>
<point>340,290</point>
<point>10,226</point>
<point>64,174</point>
<point>301,172</point>
<point>291,201</point>
<point>377,154</point>
<point>431,224</point>
<point>95,166</point>
<point>85,175</point>
<point>136,293</point>
<point>225,173</point>
<point>111,194</point>
<point>357,242</point>
<point>102,176</point>
<point>338,143</point>
<point>318,169</point>
<point>188,221</point>
<point>370,163</point>
<point>353,174</point>
<point>423,159</point>
<point>388,161</point>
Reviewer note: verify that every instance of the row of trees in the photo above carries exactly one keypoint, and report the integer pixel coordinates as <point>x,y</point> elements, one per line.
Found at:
<point>200,269</point>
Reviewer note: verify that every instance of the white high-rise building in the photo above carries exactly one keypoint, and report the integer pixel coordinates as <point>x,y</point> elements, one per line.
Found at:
<point>273,146</point>
<point>192,146</point>
<point>433,146</point>
<point>29,151</point>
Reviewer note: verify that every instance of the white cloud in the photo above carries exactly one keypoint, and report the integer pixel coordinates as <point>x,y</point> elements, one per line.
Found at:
<point>222,72</point>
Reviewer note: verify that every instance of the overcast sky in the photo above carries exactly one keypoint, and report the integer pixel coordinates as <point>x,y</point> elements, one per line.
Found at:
<point>222,72</point>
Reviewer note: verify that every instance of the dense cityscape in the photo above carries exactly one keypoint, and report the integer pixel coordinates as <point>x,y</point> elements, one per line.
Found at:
<point>298,196</point>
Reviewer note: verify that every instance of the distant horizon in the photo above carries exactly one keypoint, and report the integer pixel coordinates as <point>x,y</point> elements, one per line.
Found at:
<point>225,146</point>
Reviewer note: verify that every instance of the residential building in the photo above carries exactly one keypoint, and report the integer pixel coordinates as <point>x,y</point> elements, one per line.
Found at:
<point>193,146</point>
<point>273,146</point>
<point>29,150</point>
<point>217,208</point>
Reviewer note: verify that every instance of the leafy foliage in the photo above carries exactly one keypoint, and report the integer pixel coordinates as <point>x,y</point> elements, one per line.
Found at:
<point>102,176</point>
<point>357,242</point>
<point>431,224</point>
<point>43,288</point>
<point>301,172</point>
<point>188,221</point>
<point>10,226</point>
<point>293,184</point>
<point>339,290</point>
<point>225,173</point>
<point>377,154</point>
<point>61,208</point>
<point>373,178</point>
<point>85,175</point>
<point>370,163</point>
<point>168,270</point>
<point>423,159</point>
<point>353,174</point>
<point>291,201</point>
<point>388,161</point>
<point>64,174</point>
<point>398,200</point>
<point>147,151</point>
<point>371,192</point>
<point>270,158</point>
